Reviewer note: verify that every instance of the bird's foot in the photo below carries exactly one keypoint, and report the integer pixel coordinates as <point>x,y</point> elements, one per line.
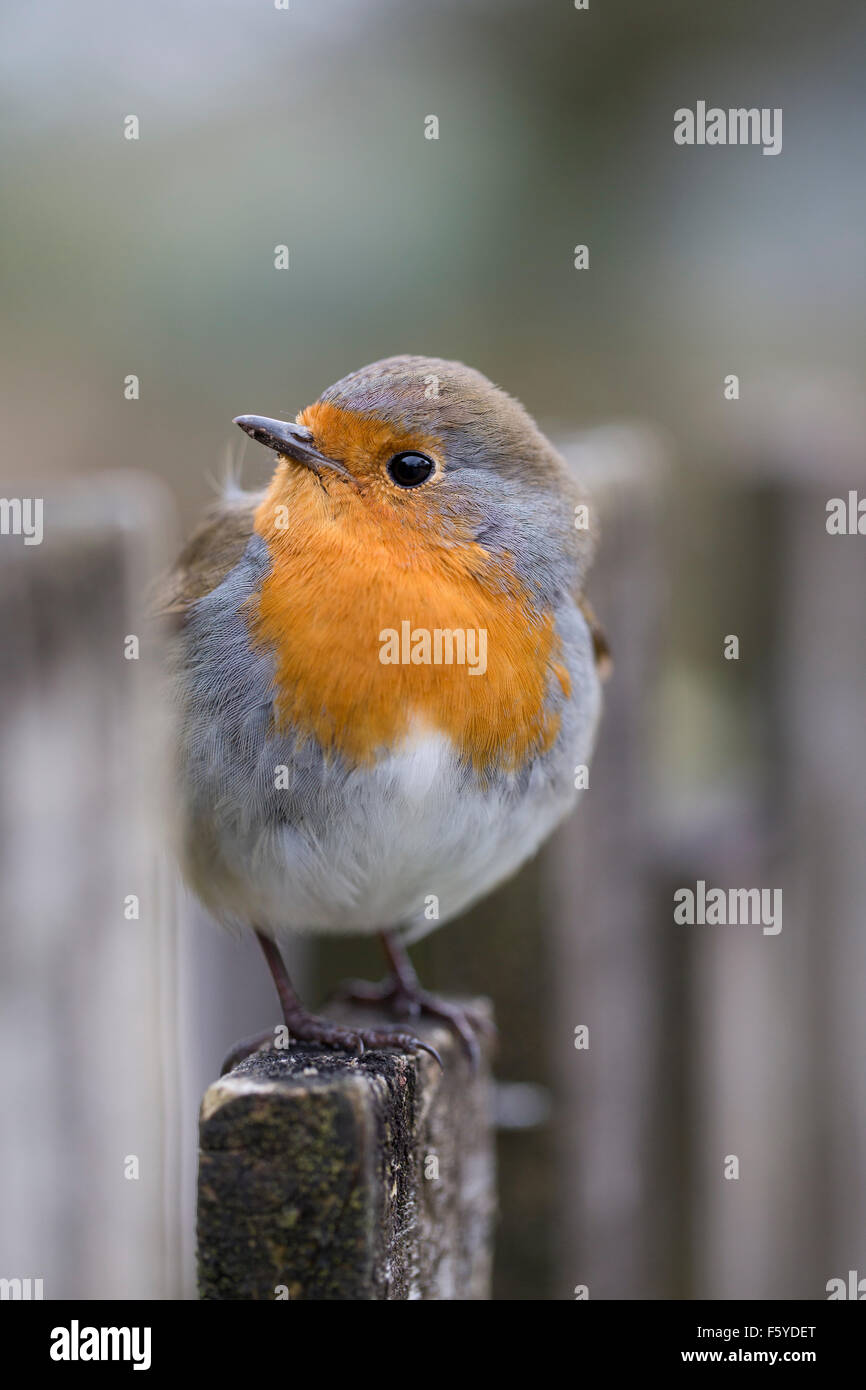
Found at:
<point>408,1000</point>
<point>304,1027</point>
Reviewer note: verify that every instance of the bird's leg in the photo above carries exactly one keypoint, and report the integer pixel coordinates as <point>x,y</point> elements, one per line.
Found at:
<point>402,990</point>
<point>306,1027</point>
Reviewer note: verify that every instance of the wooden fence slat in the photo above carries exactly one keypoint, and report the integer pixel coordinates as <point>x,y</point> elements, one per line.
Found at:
<point>88,1176</point>
<point>606,970</point>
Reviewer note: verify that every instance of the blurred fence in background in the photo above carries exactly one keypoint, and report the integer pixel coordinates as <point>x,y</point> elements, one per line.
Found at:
<point>704,1041</point>
<point>90,1109</point>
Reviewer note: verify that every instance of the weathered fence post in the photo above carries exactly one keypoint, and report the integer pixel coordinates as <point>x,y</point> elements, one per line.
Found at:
<point>326,1176</point>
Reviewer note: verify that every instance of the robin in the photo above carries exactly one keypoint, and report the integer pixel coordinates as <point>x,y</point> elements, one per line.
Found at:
<point>387,674</point>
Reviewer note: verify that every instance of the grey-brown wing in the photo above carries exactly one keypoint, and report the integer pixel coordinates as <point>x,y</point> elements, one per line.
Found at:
<point>600,644</point>
<point>214,548</point>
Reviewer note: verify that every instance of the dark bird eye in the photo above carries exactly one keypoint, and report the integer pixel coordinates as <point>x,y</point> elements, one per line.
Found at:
<point>408,470</point>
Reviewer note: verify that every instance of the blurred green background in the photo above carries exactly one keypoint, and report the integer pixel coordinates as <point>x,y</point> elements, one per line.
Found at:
<point>306,127</point>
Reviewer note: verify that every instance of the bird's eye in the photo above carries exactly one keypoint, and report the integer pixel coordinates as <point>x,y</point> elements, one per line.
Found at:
<point>410,470</point>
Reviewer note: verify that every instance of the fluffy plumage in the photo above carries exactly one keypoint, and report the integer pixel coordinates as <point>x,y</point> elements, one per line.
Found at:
<point>325,790</point>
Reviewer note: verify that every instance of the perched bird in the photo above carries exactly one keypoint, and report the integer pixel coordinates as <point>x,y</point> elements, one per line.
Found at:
<point>387,672</point>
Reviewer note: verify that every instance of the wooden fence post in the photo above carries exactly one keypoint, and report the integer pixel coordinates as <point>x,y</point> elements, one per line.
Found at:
<point>331,1177</point>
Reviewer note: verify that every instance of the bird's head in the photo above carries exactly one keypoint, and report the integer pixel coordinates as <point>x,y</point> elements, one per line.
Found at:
<point>422,455</point>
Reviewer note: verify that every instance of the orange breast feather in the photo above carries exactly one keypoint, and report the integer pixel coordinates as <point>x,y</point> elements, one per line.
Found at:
<point>345,569</point>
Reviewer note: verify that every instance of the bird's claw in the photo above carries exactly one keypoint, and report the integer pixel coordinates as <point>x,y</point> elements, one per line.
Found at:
<point>413,1003</point>
<point>340,1037</point>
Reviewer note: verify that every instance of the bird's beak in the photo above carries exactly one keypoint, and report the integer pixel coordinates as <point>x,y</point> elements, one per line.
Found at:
<point>292,441</point>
